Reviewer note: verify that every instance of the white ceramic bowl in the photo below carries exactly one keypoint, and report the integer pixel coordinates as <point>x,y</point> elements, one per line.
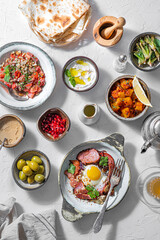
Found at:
<point>47,66</point>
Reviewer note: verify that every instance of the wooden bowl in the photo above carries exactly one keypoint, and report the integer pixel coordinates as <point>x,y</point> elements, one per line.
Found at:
<point>63,115</point>
<point>27,155</point>
<point>7,117</point>
<point>145,88</point>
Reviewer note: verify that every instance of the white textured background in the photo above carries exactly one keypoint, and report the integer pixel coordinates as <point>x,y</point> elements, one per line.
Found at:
<point>130,220</point>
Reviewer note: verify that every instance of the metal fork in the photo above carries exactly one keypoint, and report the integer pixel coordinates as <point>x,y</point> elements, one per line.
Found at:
<point>115,179</point>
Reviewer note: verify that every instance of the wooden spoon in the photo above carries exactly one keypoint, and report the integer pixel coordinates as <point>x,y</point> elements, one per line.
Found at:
<point>107,32</point>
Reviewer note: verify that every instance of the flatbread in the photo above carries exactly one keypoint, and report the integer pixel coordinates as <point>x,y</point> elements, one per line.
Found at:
<point>53,17</point>
<point>72,34</point>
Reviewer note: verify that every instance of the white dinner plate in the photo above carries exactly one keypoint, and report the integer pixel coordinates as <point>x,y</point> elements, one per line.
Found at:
<point>47,66</point>
<point>83,206</point>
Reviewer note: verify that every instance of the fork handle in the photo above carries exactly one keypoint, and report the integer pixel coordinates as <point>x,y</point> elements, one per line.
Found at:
<point>99,220</point>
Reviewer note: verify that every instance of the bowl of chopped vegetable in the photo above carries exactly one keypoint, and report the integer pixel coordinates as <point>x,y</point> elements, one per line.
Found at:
<point>145,51</point>
<point>122,101</point>
<point>29,72</point>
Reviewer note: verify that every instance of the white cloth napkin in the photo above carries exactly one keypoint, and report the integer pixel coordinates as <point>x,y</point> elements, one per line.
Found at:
<point>26,226</point>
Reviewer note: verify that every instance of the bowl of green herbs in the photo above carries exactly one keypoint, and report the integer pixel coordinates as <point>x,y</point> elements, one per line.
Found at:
<point>145,51</point>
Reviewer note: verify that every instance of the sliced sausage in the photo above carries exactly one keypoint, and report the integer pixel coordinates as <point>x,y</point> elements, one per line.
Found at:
<point>73,182</point>
<point>83,196</point>
<point>80,188</point>
<point>76,163</point>
<point>111,163</point>
<point>69,175</point>
<point>88,156</point>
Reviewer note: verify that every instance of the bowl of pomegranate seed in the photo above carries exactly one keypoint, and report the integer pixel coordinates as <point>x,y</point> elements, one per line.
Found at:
<point>54,124</point>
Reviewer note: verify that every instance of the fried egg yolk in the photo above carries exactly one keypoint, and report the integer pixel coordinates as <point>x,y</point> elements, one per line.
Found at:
<point>93,173</point>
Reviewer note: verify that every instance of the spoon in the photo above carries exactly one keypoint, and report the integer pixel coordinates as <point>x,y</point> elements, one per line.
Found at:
<point>2,144</point>
<point>13,93</point>
<point>107,32</point>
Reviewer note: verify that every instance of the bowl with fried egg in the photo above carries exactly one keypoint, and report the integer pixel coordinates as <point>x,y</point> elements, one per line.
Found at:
<point>82,177</point>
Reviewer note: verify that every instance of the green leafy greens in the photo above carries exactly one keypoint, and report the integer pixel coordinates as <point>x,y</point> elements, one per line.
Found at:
<point>7,74</point>
<point>147,50</point>
<point>71,79</point>
<point>92,192</point>
<point>71,168</point>
<point>157,44</point>
<point>103,161</point>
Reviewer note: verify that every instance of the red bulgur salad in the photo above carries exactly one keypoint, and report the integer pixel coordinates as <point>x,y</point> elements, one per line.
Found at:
<point>23,73</point>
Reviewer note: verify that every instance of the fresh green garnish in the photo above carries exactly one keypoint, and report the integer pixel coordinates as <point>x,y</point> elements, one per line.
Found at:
<point>26,77</point>
<point>71,79</point>
<point>103,161</point>
<point>147,50</point>
<point>92,192</point>
<point>157,44</point>
<point>68,73</point>
<point>39,82</point>
<point>7,74</point>
<point>13,68</point>
<point>71,168</point>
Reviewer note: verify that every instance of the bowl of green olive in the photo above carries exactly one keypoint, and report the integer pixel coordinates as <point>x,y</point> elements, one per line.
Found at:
<point>31,169</point>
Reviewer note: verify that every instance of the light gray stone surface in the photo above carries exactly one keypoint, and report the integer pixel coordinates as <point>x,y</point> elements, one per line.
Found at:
<point>130,220</point>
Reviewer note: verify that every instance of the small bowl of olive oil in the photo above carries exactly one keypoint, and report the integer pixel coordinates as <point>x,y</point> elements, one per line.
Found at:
<point>89,113</point>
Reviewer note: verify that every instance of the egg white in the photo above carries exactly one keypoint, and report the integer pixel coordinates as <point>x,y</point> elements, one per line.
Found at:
<point>101,182</point>
<point>87,181</point>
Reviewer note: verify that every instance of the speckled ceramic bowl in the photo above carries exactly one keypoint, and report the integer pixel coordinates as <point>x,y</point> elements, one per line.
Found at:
<point>27,155</point>
<point>47,66</point>
<point>63,115</point>
<point>134,60</point>
<point>66,81</point>
<point>146,89</point>
<point>74,208</point>
<point>7,116</point>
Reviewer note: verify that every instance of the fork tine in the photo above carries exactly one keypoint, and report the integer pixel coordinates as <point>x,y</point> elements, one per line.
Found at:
<point>115,167</point>
<point>118,167</point>
<point>122,165</point>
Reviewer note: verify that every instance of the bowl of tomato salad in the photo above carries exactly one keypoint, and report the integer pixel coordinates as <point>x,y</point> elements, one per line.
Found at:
<point>29,71</point>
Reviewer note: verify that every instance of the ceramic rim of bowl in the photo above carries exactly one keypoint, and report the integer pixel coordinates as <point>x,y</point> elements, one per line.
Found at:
<point>14,165</point>
<point>87,59</point>
<point>22,125</point>
<point>72,150</point>
<point>52,66</point>
<point>108,92</point>
<point>44,114</point>
<point>132,45</point>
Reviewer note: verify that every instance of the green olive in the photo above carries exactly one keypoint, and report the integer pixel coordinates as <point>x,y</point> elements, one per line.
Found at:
<point>36,159</point>
<point>39,178</point>
<point>20,164</point>
<point>33,165</point>
<point>27,162</point>
<point>30,179</point>
<point>22,176</point>
<point>41,169</point>
<point>27,171</point>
